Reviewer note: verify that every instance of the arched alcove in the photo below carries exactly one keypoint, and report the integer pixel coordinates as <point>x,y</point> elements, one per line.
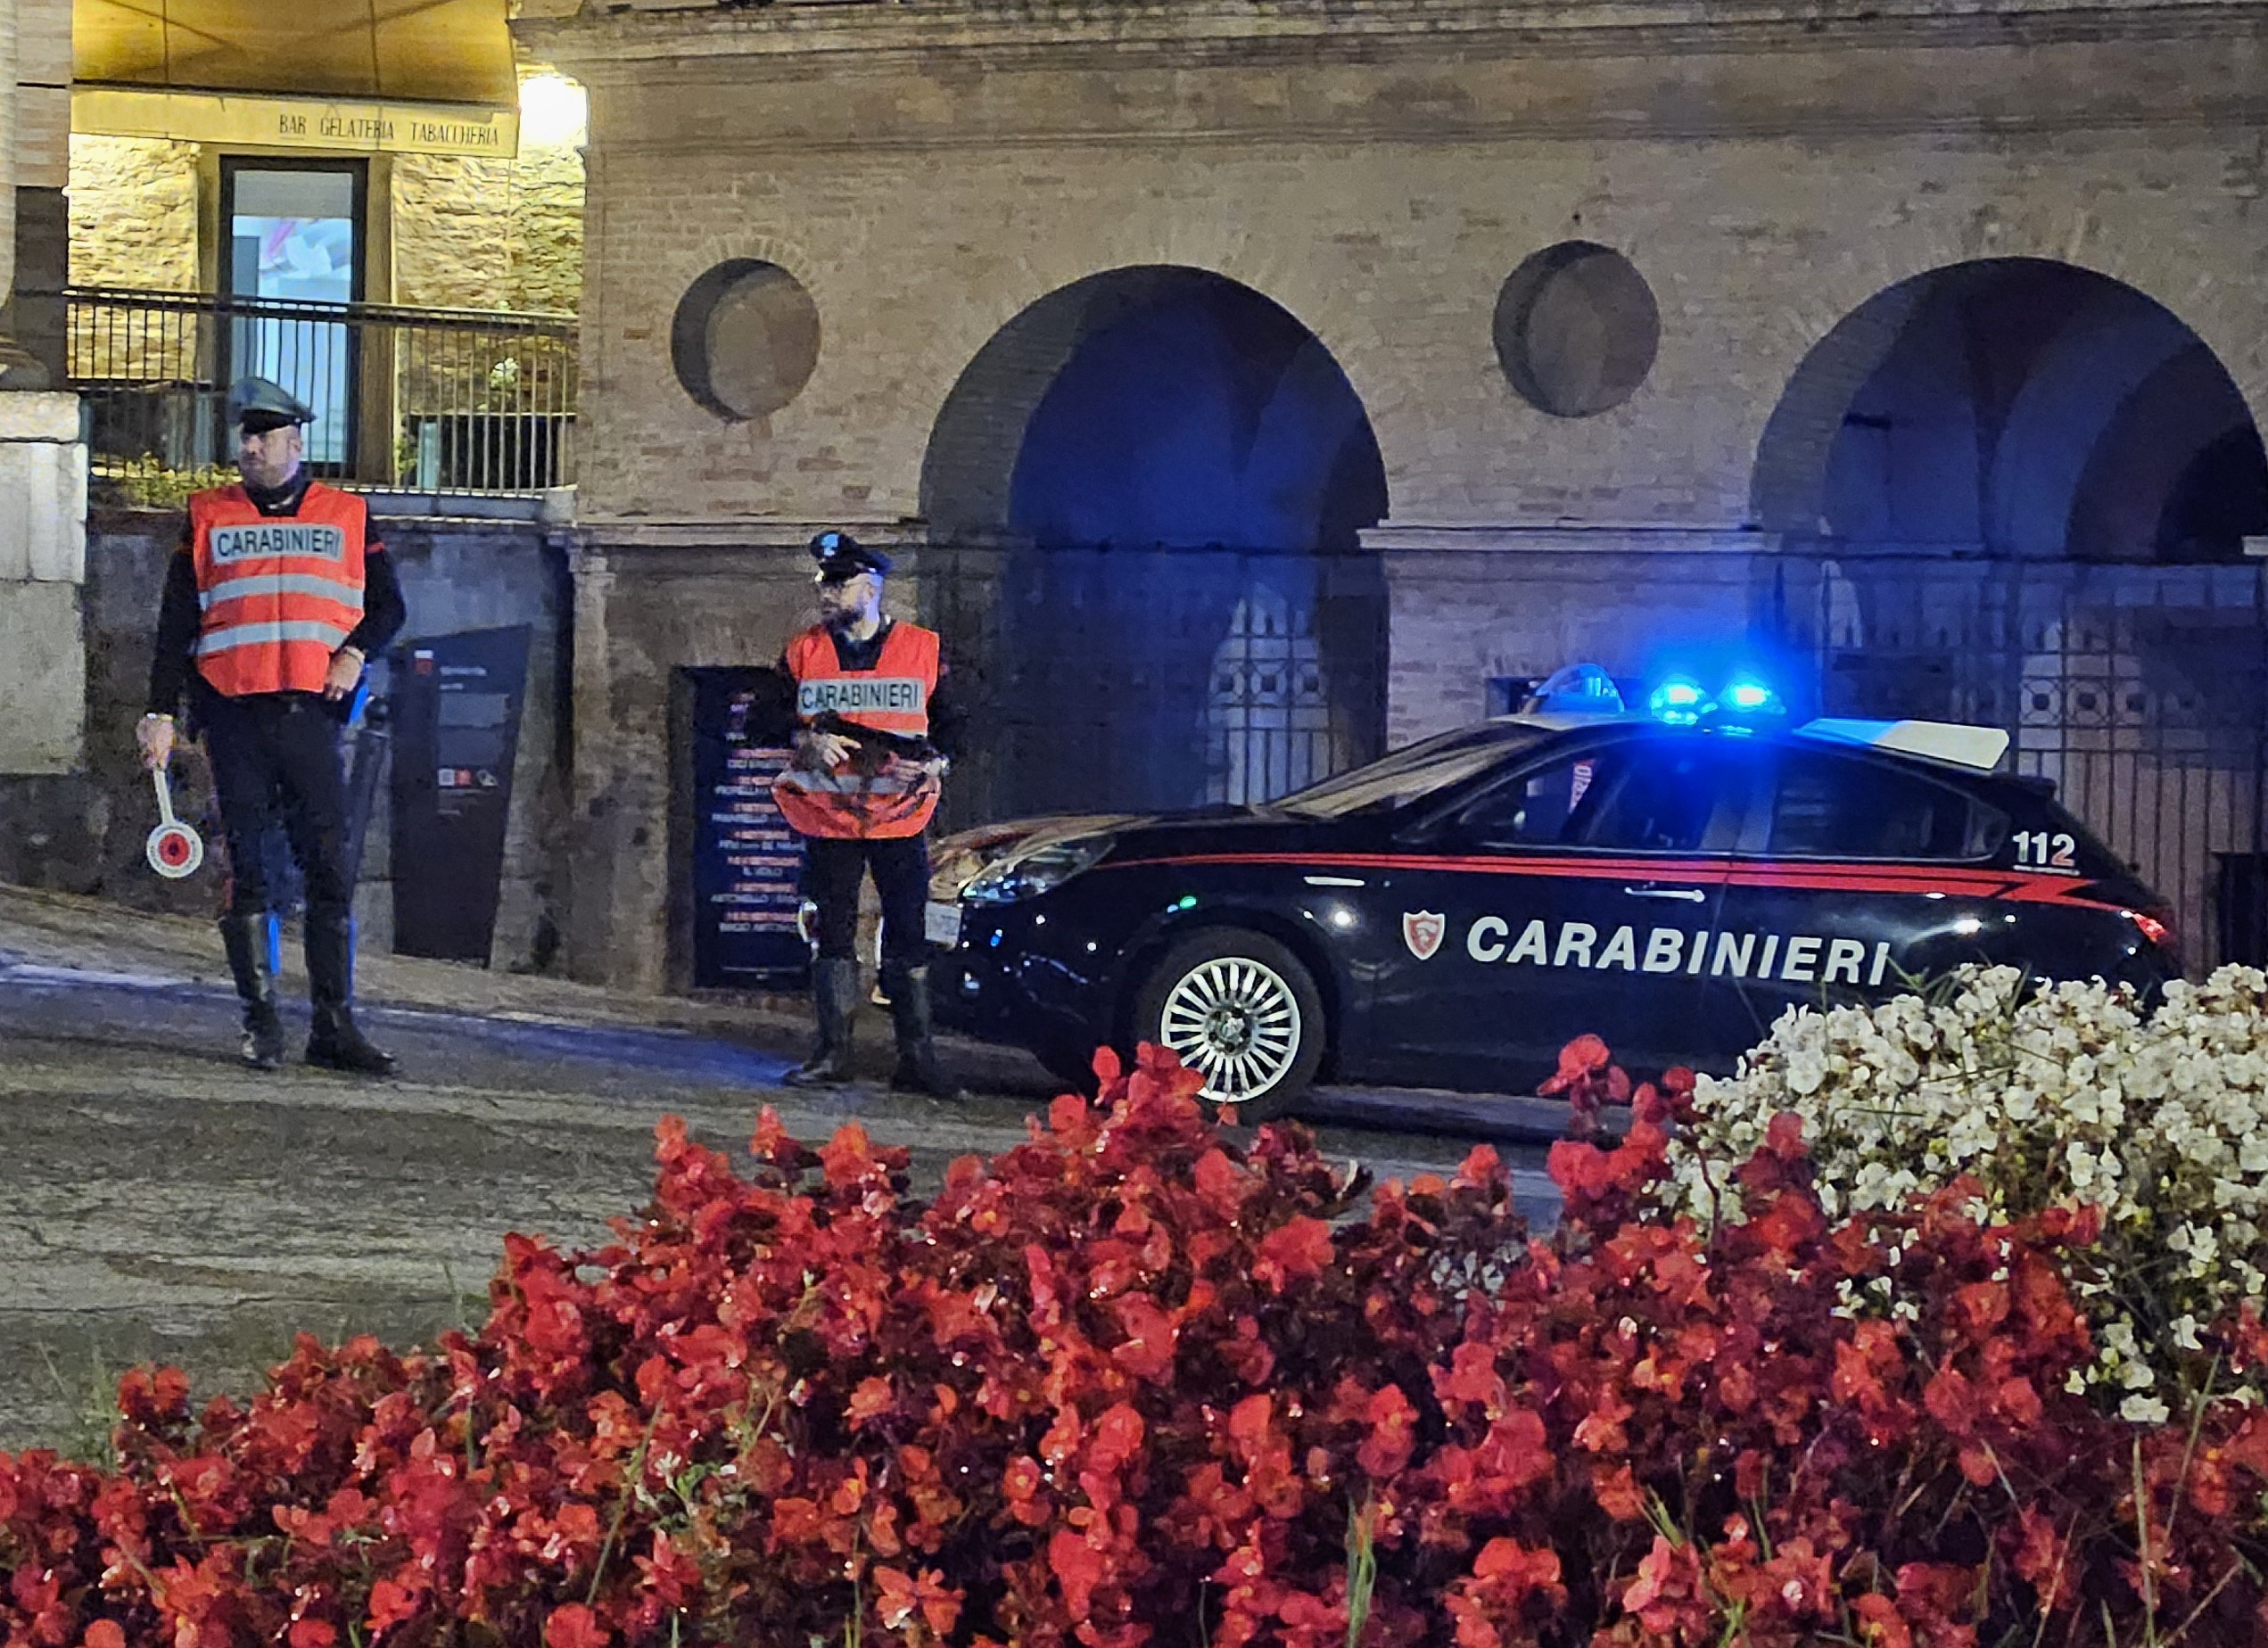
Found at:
<point>2015,406</point>
<point>1149,488</point>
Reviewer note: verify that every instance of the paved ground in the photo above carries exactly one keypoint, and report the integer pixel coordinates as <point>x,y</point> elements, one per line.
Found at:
<point>157,1200</point>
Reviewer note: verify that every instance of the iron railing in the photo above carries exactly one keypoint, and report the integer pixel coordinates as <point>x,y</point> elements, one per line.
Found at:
<point>1154,676</point>
<point>2140,689</point>
<point>427,399</point>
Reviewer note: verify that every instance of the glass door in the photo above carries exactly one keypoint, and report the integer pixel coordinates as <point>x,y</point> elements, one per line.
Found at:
<point>294,235</point>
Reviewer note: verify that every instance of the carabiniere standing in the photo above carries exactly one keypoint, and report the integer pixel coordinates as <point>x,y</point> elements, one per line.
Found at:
<point>276,597</point>
<point>875,728</point>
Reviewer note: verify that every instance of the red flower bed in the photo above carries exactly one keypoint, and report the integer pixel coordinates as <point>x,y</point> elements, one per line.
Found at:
<point>1130,1383</point>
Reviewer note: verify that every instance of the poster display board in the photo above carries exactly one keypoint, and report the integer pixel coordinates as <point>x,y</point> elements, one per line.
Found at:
<point>746,863</point>
<point>457,703</point>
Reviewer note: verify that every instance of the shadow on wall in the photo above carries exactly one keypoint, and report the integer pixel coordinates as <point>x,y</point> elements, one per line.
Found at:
<point>1151,486</point>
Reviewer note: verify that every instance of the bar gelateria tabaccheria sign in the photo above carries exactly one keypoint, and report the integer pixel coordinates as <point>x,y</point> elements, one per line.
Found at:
<point>269,121</point>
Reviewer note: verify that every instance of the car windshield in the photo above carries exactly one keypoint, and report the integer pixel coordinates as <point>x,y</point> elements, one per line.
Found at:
<point>1407,774</point>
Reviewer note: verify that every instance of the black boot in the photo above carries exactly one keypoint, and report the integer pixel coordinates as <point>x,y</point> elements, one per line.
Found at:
<point>336,1043</point>
<point>910,1016</point>
<point>248,941</point>
<point>834,994</point>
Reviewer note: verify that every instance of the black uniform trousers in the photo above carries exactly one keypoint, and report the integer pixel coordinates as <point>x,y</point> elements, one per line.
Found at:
<point>832,871</point>
<point>275,761</point>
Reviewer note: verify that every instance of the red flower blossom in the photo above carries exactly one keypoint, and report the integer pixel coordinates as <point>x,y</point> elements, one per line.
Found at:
<point>1393,1425</point>
<point>1293,1252</point>
<point>574,1625</point>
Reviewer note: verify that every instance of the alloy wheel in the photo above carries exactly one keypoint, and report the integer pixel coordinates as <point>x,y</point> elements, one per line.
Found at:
<point>1236,1022</point>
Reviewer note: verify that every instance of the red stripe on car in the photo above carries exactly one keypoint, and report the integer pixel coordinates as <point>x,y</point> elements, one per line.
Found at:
<point>2015,887</point>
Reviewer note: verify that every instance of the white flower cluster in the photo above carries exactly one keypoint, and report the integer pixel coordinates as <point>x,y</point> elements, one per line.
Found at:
<point>2063,1095</point>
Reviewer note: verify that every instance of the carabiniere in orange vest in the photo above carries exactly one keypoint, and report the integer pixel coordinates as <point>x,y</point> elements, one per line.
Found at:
<point>881,793</point>
<point>278,593</point>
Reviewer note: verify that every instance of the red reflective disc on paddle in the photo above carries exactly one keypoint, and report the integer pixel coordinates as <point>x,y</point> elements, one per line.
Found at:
<point>174,850</point>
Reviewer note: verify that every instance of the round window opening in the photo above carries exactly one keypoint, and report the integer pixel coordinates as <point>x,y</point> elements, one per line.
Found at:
<point>745,339</point>
<point>1576,329</point>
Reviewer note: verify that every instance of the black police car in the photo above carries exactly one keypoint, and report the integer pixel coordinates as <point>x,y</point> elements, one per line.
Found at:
<point>1450,916</point>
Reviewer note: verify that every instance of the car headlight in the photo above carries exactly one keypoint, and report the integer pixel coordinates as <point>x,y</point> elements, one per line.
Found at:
<point>1030,872</point>
<point>952,870</point>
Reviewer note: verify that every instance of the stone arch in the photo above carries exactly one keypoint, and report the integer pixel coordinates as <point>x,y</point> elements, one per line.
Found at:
<point>1022,293</point>
<point>969,466</point>
<point>2159,262</point>
<point>1991,386</point>
<point>1149,456</point>
<point>1790,476</point>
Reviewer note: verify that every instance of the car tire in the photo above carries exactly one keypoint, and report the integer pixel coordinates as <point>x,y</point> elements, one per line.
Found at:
<point>1240,1008</point>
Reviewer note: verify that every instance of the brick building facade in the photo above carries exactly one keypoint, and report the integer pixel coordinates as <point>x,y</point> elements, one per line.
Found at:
<point>826,254</point>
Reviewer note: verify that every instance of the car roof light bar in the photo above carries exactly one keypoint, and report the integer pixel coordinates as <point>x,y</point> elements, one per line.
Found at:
<point>1980,748</point>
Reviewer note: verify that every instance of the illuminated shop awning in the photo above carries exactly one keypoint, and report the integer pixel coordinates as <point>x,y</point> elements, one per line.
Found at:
<point>367,76</point>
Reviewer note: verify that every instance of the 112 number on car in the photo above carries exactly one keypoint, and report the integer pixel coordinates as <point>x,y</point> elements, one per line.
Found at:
<point>2037,849</point>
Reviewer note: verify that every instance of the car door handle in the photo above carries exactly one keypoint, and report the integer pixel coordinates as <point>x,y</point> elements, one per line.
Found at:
<point>1688,896</point>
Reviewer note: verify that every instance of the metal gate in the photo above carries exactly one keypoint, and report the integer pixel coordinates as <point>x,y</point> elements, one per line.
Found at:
<point>1132,679</point>
<point>2140,690</point>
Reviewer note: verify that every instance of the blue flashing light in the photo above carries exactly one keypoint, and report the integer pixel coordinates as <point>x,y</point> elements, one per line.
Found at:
<point>1744,704</point>
<point>1678,700</point>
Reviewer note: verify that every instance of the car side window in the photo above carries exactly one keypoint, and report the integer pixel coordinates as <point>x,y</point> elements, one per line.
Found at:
<point>1835,806</point>
<point>1637,797</point>
<point>1660,801</point>
<point>1537,809</point>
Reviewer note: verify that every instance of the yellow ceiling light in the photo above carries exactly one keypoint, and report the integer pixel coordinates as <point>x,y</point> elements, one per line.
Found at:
<point>555,112</point>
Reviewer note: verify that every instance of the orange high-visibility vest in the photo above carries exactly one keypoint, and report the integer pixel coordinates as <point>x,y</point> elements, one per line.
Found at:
<point>279,594</point>
<point>887,800</point>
